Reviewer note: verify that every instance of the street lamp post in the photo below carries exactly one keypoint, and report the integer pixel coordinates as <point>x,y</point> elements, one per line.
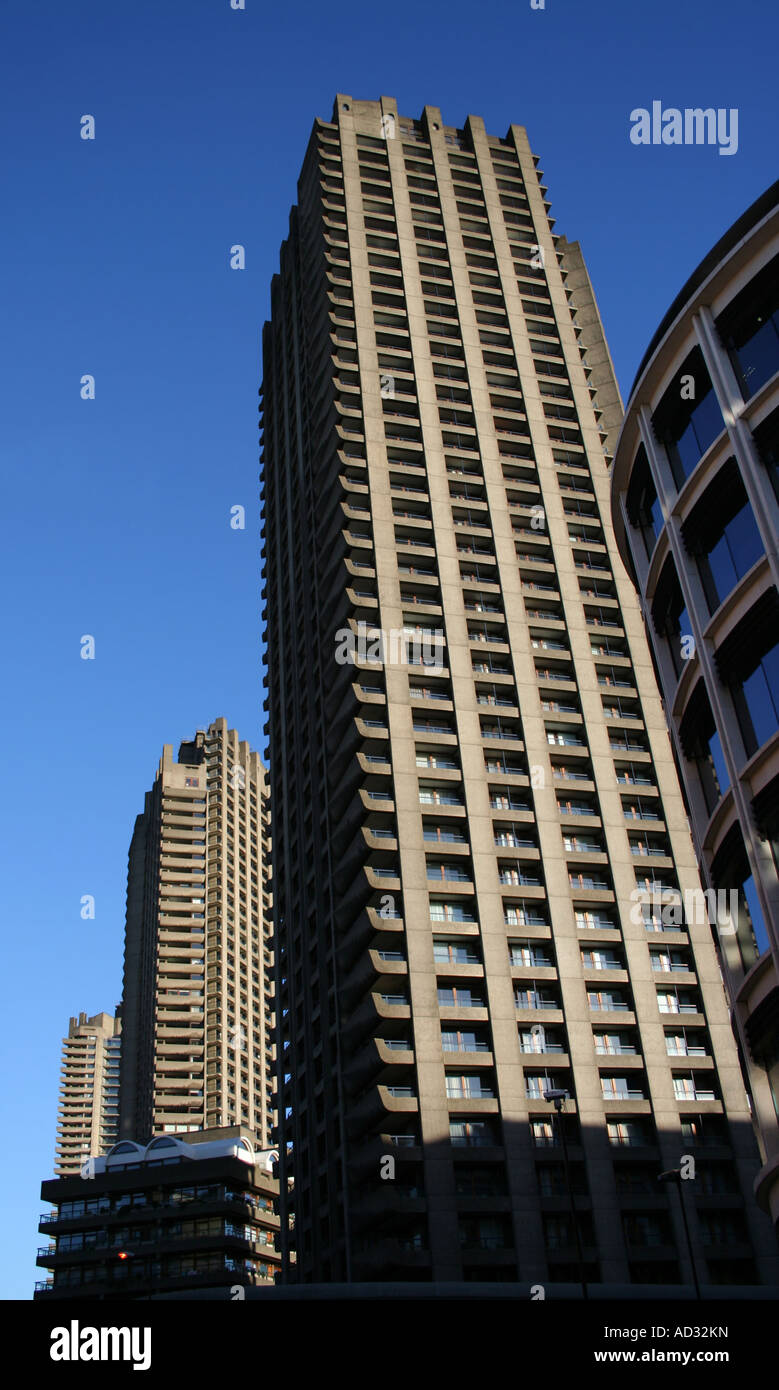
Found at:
<point>674,1176</point>
<point>558,1099</point>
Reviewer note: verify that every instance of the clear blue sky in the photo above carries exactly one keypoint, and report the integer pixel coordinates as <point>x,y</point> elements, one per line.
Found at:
<point>115,262</point>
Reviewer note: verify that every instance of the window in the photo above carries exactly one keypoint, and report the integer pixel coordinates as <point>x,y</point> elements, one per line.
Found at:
<point>459,998</point>
<point>613,1044</point>
<point>643,506</point>
<point>542,1133</point>
<point>469,1086</point>
<point>689,1087</point>
<point>702,746</point>
<point>484,1233</point>
<point>645,1229</point>
<point>620,1088</point>
<point>609,1000</point>
<point>449,912</point>
<point>676,1002</point>
<point>522,915</point>
<point>601,960</point>
<point>702,1129</point>
<point>757,702</point>
<point>579,844</point>
<point>749,328</point>
<point>528,953</point>
<point>539,1039</point>
<point>679,1045</point>
<point>627,1133</point>
<point>454,952</point>
<point>738,548</point>
<point>722,1228</point>
<point>471,1133</point>
<point>591,920</point>
<point>471,1181</point>
<point>722,534</point>
<point>538,1083</point>
<point>558,1231</point>
<point>446,869</point>
<point>688,424</point>
<point>463,1040</point>
<point>668,961</point>
<point>534,996</point>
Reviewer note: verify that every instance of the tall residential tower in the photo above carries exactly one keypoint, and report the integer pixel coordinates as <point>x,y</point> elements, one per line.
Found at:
<point>477,817</point>
<point>88,1119</point>
<point>197,1045</point>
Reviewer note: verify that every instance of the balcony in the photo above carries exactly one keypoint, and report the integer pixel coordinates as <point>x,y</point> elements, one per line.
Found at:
<point>374,1011</point>
<point>376,969</point>
<point>678,1048</point>
<point>378,1060</point>
<point>363,769</point>
<point>530,1003</point>
<point>603,964</point>
<point>373,1110</point>
<point>365,1154</point>
<point>693,1093</point>
<point>393,1257</point>
<point>440,874</point>
<point>369,1209</point>
<point>462,1006</point>
<point>370,928</point>
<point>489,1250</point>
<point>514,878</point>
<point>133,1284</point>
<point>616,1009</point>
<point>589,887</point>
<point>372,880</point>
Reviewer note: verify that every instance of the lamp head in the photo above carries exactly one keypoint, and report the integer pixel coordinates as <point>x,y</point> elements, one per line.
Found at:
<point>670,1175</point>
<point>557,1097</point>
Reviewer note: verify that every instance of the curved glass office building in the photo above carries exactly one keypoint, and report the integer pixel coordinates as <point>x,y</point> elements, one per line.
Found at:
<point>695,502</point>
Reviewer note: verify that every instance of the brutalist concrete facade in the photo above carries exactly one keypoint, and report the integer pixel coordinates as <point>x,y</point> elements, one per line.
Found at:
<point>474,795</point>
<point>88,1116</point>
<point>198,970</point>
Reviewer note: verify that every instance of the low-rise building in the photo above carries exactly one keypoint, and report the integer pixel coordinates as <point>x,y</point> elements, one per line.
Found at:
<point>182,1213</point>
